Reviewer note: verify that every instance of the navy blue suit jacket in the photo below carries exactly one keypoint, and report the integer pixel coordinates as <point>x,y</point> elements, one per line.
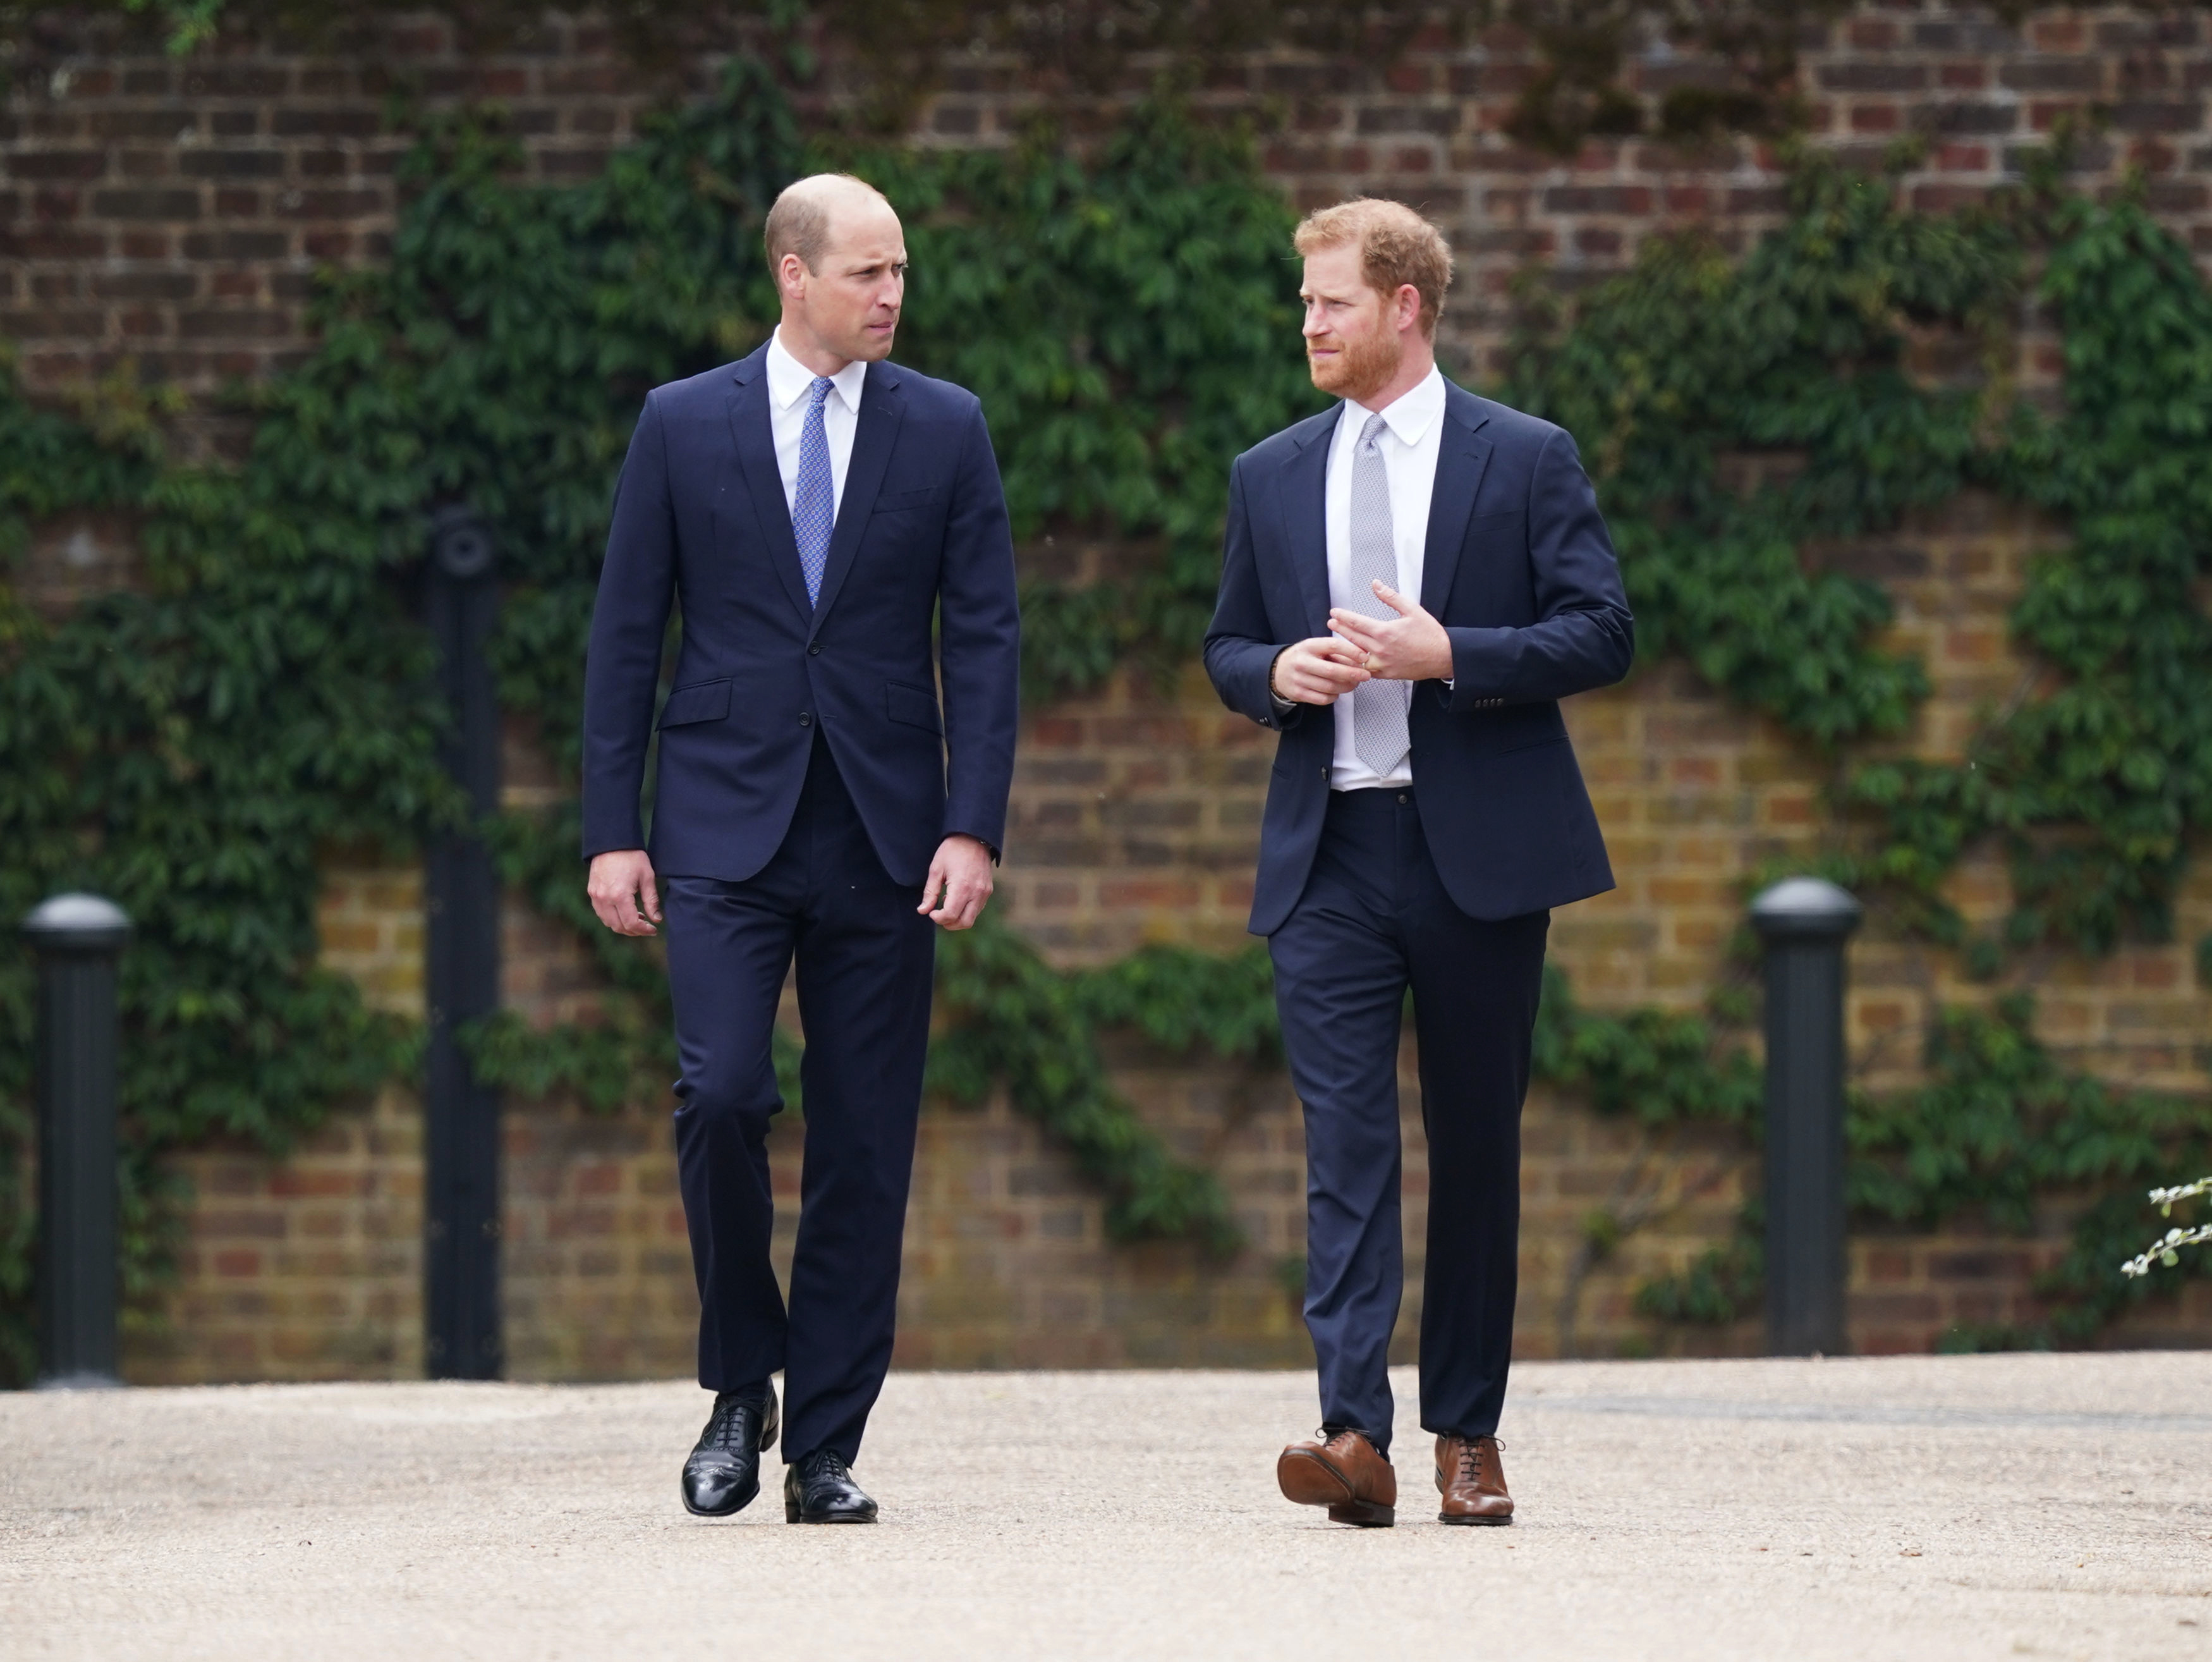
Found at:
<point>1520,571</point>
<point>920,578</point>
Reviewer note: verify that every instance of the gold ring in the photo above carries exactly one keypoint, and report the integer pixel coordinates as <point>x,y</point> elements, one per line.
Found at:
<point>1373,664</point>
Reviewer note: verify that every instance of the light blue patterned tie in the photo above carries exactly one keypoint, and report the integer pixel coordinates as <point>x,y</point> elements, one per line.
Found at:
<point>814,506</point>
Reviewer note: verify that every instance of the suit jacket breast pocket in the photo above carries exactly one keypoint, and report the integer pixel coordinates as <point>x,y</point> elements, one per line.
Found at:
<point>1488,532</point>
<point>899,502</point>
<point>703,700</point>
<point>1493,588</point>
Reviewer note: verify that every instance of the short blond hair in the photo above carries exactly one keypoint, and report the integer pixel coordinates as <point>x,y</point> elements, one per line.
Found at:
<point>1396,247</point>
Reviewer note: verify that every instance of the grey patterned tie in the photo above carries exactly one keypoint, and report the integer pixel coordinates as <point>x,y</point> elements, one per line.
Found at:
<point>1378,708</point>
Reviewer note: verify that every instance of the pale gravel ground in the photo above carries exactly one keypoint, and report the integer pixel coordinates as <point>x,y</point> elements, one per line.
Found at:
<point>1951,1508</point>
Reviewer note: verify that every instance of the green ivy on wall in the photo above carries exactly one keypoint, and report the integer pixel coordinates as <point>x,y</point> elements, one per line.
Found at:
<point>2094,779</point>
<point>192,745</point>
<point>2097,784</point>
<point>189,748</point>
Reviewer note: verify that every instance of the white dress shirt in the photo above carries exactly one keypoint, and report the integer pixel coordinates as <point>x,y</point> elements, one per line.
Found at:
<point>787,383</point>
<point>1411,437</point>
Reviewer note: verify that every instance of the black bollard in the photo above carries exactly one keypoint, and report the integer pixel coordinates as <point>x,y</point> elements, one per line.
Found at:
<point>77,938</point>
<point>1804,922</point>
<point>460,1117</point>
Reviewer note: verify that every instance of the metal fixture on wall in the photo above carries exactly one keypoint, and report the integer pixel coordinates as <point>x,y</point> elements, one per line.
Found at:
<point>460,1129</point>
<point>78,938</point>
<point>1805,921</point>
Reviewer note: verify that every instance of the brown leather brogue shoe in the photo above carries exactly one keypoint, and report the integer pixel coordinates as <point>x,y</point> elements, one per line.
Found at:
<point>1471,1482</point>
<point>1341,1470</point>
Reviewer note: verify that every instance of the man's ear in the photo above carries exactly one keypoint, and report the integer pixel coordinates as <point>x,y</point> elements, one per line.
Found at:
<point>1409,306</point>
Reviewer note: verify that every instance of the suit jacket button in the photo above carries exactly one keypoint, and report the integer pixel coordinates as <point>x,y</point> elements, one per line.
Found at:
<point>805,720</point>
<point>814,648</point>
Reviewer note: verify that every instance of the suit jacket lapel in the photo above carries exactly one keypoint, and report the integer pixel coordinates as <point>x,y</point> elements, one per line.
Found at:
<point>756,442</point>
<point>1304,501</point>
<point>1462,457</point>
<point>881,408</point>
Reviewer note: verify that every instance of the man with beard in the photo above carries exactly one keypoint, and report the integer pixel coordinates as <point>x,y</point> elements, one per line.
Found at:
<point>835,531</point>
<point>1411,582</point>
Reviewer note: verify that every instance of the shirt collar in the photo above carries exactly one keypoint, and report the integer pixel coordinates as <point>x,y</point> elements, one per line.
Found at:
<point>1409,417</point>
<point>788,379</point>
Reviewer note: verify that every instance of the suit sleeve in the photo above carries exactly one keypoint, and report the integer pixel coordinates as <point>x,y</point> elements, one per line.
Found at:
<point>979,645</point>
<point>1583,636</point>
<point>630,623</point>
<point>1240,643</point>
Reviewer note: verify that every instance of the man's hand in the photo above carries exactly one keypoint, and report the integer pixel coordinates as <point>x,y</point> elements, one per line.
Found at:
<point>961,875</point>
<point>1317,671</point>
<point>622,891</point>
<point>1411,647</point>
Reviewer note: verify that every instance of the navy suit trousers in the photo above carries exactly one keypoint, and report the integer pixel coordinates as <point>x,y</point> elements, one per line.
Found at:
<point>865,958</point>
<point>1373,921</point>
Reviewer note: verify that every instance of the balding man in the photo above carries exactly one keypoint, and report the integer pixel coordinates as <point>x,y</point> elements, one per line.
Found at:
<point>836,749</point>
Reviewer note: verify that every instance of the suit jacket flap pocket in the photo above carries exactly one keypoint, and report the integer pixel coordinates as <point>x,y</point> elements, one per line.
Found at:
<point>703,700</point>
<point>915,706</point>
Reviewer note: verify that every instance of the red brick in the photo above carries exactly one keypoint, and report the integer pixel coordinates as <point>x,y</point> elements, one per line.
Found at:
<point>1889,1265</point>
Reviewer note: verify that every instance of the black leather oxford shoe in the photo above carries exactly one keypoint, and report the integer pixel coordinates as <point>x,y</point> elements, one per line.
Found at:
<point>820,1489</point>
<point>723,1472</point>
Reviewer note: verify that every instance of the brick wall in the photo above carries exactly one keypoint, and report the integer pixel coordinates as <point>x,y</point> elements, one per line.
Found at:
<point>176,214</point>
<point>1135,816</point>
<point>311,1266</point>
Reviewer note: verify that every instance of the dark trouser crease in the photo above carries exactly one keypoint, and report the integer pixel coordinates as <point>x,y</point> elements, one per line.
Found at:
<point>864,959</point>
<point>1373,922</point>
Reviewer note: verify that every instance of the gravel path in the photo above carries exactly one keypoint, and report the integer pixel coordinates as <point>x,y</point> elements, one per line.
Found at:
<point>1944,1507</point>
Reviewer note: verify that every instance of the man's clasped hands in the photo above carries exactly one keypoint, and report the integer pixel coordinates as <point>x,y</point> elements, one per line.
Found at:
<point>1411,647</point>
